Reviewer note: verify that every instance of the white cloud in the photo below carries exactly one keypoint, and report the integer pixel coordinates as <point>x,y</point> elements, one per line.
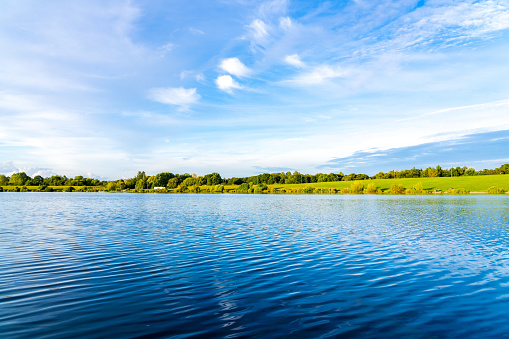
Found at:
<point>443,25</point>
<point>274,7</point>
<point>294,60</point>
<point>259,29</point>
<point>196,31</point>
<point>285,23</point>
<point>235,67</point>
<point>227,83</point>
<point>178,96</point>
<point>166,48</point>
<point>318,75</point>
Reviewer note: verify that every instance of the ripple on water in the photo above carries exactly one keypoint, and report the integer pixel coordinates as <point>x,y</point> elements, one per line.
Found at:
<point>99,265</point>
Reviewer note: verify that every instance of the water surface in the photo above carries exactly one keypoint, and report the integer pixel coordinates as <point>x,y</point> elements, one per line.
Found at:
<point>96,265</point>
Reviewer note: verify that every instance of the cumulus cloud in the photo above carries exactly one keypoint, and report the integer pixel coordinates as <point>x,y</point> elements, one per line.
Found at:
<point>227,83</point>
<point>177,96</point>
<point>294,60</point>
<point>235,67</point>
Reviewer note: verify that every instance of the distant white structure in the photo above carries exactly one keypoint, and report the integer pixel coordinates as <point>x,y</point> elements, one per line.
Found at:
<point>159,188</point>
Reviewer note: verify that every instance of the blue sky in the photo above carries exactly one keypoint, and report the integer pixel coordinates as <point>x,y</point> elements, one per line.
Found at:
<point>107,88</point>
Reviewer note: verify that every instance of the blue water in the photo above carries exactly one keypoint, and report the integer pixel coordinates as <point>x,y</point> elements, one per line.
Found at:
<point>92,265</point>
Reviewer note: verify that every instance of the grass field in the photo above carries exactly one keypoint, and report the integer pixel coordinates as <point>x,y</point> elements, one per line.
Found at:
<point>470,183</point>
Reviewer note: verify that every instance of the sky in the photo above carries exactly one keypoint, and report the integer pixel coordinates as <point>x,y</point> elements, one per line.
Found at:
<point>107,88</point>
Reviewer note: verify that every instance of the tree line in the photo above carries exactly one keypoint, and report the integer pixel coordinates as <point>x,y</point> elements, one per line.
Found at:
<point>185,181</point>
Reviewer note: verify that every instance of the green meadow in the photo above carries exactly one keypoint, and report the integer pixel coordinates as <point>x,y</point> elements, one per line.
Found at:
<point>469,183</point>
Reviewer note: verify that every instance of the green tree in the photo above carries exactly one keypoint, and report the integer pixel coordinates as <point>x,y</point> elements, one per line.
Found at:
<point>173,183</point>
<point>3,180</point>
<point>161,179</point>
<point>213,179</point>
<point>19,179</point>
<point>141,184</point>
<point>37,180</point>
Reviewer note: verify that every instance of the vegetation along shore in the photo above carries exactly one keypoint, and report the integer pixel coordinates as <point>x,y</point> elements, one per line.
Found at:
<point>459,180</point>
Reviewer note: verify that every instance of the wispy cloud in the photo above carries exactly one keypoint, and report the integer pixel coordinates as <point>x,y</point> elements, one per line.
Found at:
<point>317,75</point>
<point>179,96</point>
<point>258,29</point>
<point>285,23</point>
<point>294,60</point>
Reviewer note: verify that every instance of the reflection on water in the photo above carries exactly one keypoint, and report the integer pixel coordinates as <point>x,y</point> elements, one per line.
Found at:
<point>129,265</point>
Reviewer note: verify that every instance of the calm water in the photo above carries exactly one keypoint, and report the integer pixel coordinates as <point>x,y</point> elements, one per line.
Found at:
<point>146,266</point>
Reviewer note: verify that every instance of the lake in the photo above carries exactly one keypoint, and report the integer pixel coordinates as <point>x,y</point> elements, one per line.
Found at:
<point>98,265</point>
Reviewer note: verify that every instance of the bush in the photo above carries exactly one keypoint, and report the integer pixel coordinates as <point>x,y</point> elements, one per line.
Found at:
<point>418,189</point>
<point>261,188</point>
<point>309,189</point>
<point>1,189</point>
<point>371,189</point>
<point>243,188</point>
<point>397,189</point>
<point>357,187</point>
<point>345,190</point>
<point>457,191</point>
<point>219,188</point>
<point>496,190</point>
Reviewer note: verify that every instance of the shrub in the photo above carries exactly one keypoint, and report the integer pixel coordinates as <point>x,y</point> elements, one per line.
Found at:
<point>309,189</point>
<point>1,189</point>
<point>357,187</point>
<point>371,189</point>
<point>496,190</point>
<point>219,188</point>
<point>345,190</point>
<point>418,189</point>
<point>397,189</point>
<point>243,188</point>
<point>457,191</point>
<point>260,188</point>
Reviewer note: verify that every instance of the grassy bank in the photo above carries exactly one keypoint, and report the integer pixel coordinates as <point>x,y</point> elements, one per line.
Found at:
<point>465,184</point>
<point>472,184</point>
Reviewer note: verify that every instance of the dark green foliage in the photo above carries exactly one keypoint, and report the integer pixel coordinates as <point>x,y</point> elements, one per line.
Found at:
<point>213,179</point>
<point>3,180</point>
<point>19,179</point>
<point>161,179</point>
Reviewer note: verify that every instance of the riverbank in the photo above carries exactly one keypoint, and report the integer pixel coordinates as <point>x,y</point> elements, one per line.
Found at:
<point>494,184</point>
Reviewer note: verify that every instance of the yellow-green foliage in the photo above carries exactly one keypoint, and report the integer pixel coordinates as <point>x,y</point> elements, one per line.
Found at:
<point>345,190</point>
<point>371,189</point>
<point>397,189</point>
<point>496,190</point>
<point>357,187</point>
<point>457,191</point>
